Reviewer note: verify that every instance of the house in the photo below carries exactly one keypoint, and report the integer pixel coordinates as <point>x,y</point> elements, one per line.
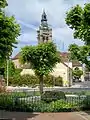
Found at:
<point>16,61</point>
<point>61,69</point>
<point>72,64</point>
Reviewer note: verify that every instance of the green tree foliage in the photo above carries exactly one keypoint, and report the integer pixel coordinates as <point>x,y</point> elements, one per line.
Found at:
<point>11,68</point>
<point>9,32</point>
<point>42,58</point>
<point>3,3</point>
<point>78,19</point>
<point>77,73</point>
<point>80,53</point>
<point>2,67</point>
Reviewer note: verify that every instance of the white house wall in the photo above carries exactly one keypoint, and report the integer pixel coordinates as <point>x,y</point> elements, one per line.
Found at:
<point>17,63</point>
<point>59,70</point>
<point>69,64</point>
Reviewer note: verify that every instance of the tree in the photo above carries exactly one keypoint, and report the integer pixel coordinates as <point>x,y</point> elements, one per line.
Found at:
<point>3,3</point>
<point>80,53</point>
<point>77,73</point>
<point>78,19</point>
<point>42,58</point>
<point>9,32</point>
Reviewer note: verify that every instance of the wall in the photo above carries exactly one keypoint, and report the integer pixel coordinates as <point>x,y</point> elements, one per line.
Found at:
<point>59,70</point>
<point>69,64</point>
<point>17,63</point>
<point>63,71</point>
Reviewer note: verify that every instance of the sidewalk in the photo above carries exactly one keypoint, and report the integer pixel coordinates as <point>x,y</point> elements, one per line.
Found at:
<point>45,116</point>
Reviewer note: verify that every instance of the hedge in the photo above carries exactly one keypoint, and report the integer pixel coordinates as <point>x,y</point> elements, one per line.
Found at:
<point>30,80</point>
<point>49,96</point>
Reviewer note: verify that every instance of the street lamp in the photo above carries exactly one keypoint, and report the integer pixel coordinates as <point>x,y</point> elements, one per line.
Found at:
<point>7,70</point>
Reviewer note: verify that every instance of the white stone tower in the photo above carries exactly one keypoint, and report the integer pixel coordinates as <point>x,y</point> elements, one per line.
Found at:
<point>44,34</point>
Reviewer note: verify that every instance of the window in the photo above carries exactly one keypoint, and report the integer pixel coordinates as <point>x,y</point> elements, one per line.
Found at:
<point>47,38</point>
<point>43,38</point>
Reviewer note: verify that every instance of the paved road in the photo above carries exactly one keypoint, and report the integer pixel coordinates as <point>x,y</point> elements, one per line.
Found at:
<point>75,88</point>
<point>65,89</point>
<point>83,84</point>
<point>45,116</point>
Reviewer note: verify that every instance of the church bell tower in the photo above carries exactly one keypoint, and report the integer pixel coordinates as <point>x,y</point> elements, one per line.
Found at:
<point>44,34</point>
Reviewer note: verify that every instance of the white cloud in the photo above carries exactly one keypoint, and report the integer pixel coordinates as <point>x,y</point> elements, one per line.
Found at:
<point>28,13</point>
<point>27,25</point>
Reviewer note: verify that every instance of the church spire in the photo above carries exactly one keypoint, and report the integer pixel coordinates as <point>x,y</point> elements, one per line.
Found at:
<point>44,16</point>
<point>44,34</point>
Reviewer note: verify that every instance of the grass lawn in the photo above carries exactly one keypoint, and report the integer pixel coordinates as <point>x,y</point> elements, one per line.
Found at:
<point>22,94</point>
<point>78,93</point>
<point>37,93</point>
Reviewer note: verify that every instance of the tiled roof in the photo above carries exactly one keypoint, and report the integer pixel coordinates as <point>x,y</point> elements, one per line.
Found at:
<point>16,56</point>
<point>76,63</point>
<point>66,65</point>
<point>64,58</point>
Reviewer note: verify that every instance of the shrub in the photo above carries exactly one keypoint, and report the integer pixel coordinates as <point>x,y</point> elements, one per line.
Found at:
<point>50,96</point>
<point>13,103</point>
<point>55,106</point>
<point>61,105</point>
<point>85,104</point>
<point>31,80</point>
<point>28,80</point>
<point>48,80</point>
<point>6,102</point>
<point>58,81</point>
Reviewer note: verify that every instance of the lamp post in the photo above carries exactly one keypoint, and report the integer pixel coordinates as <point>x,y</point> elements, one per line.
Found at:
<point>7,70</point>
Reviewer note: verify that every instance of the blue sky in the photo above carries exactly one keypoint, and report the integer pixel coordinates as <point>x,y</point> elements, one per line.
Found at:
<point>28,15</point>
